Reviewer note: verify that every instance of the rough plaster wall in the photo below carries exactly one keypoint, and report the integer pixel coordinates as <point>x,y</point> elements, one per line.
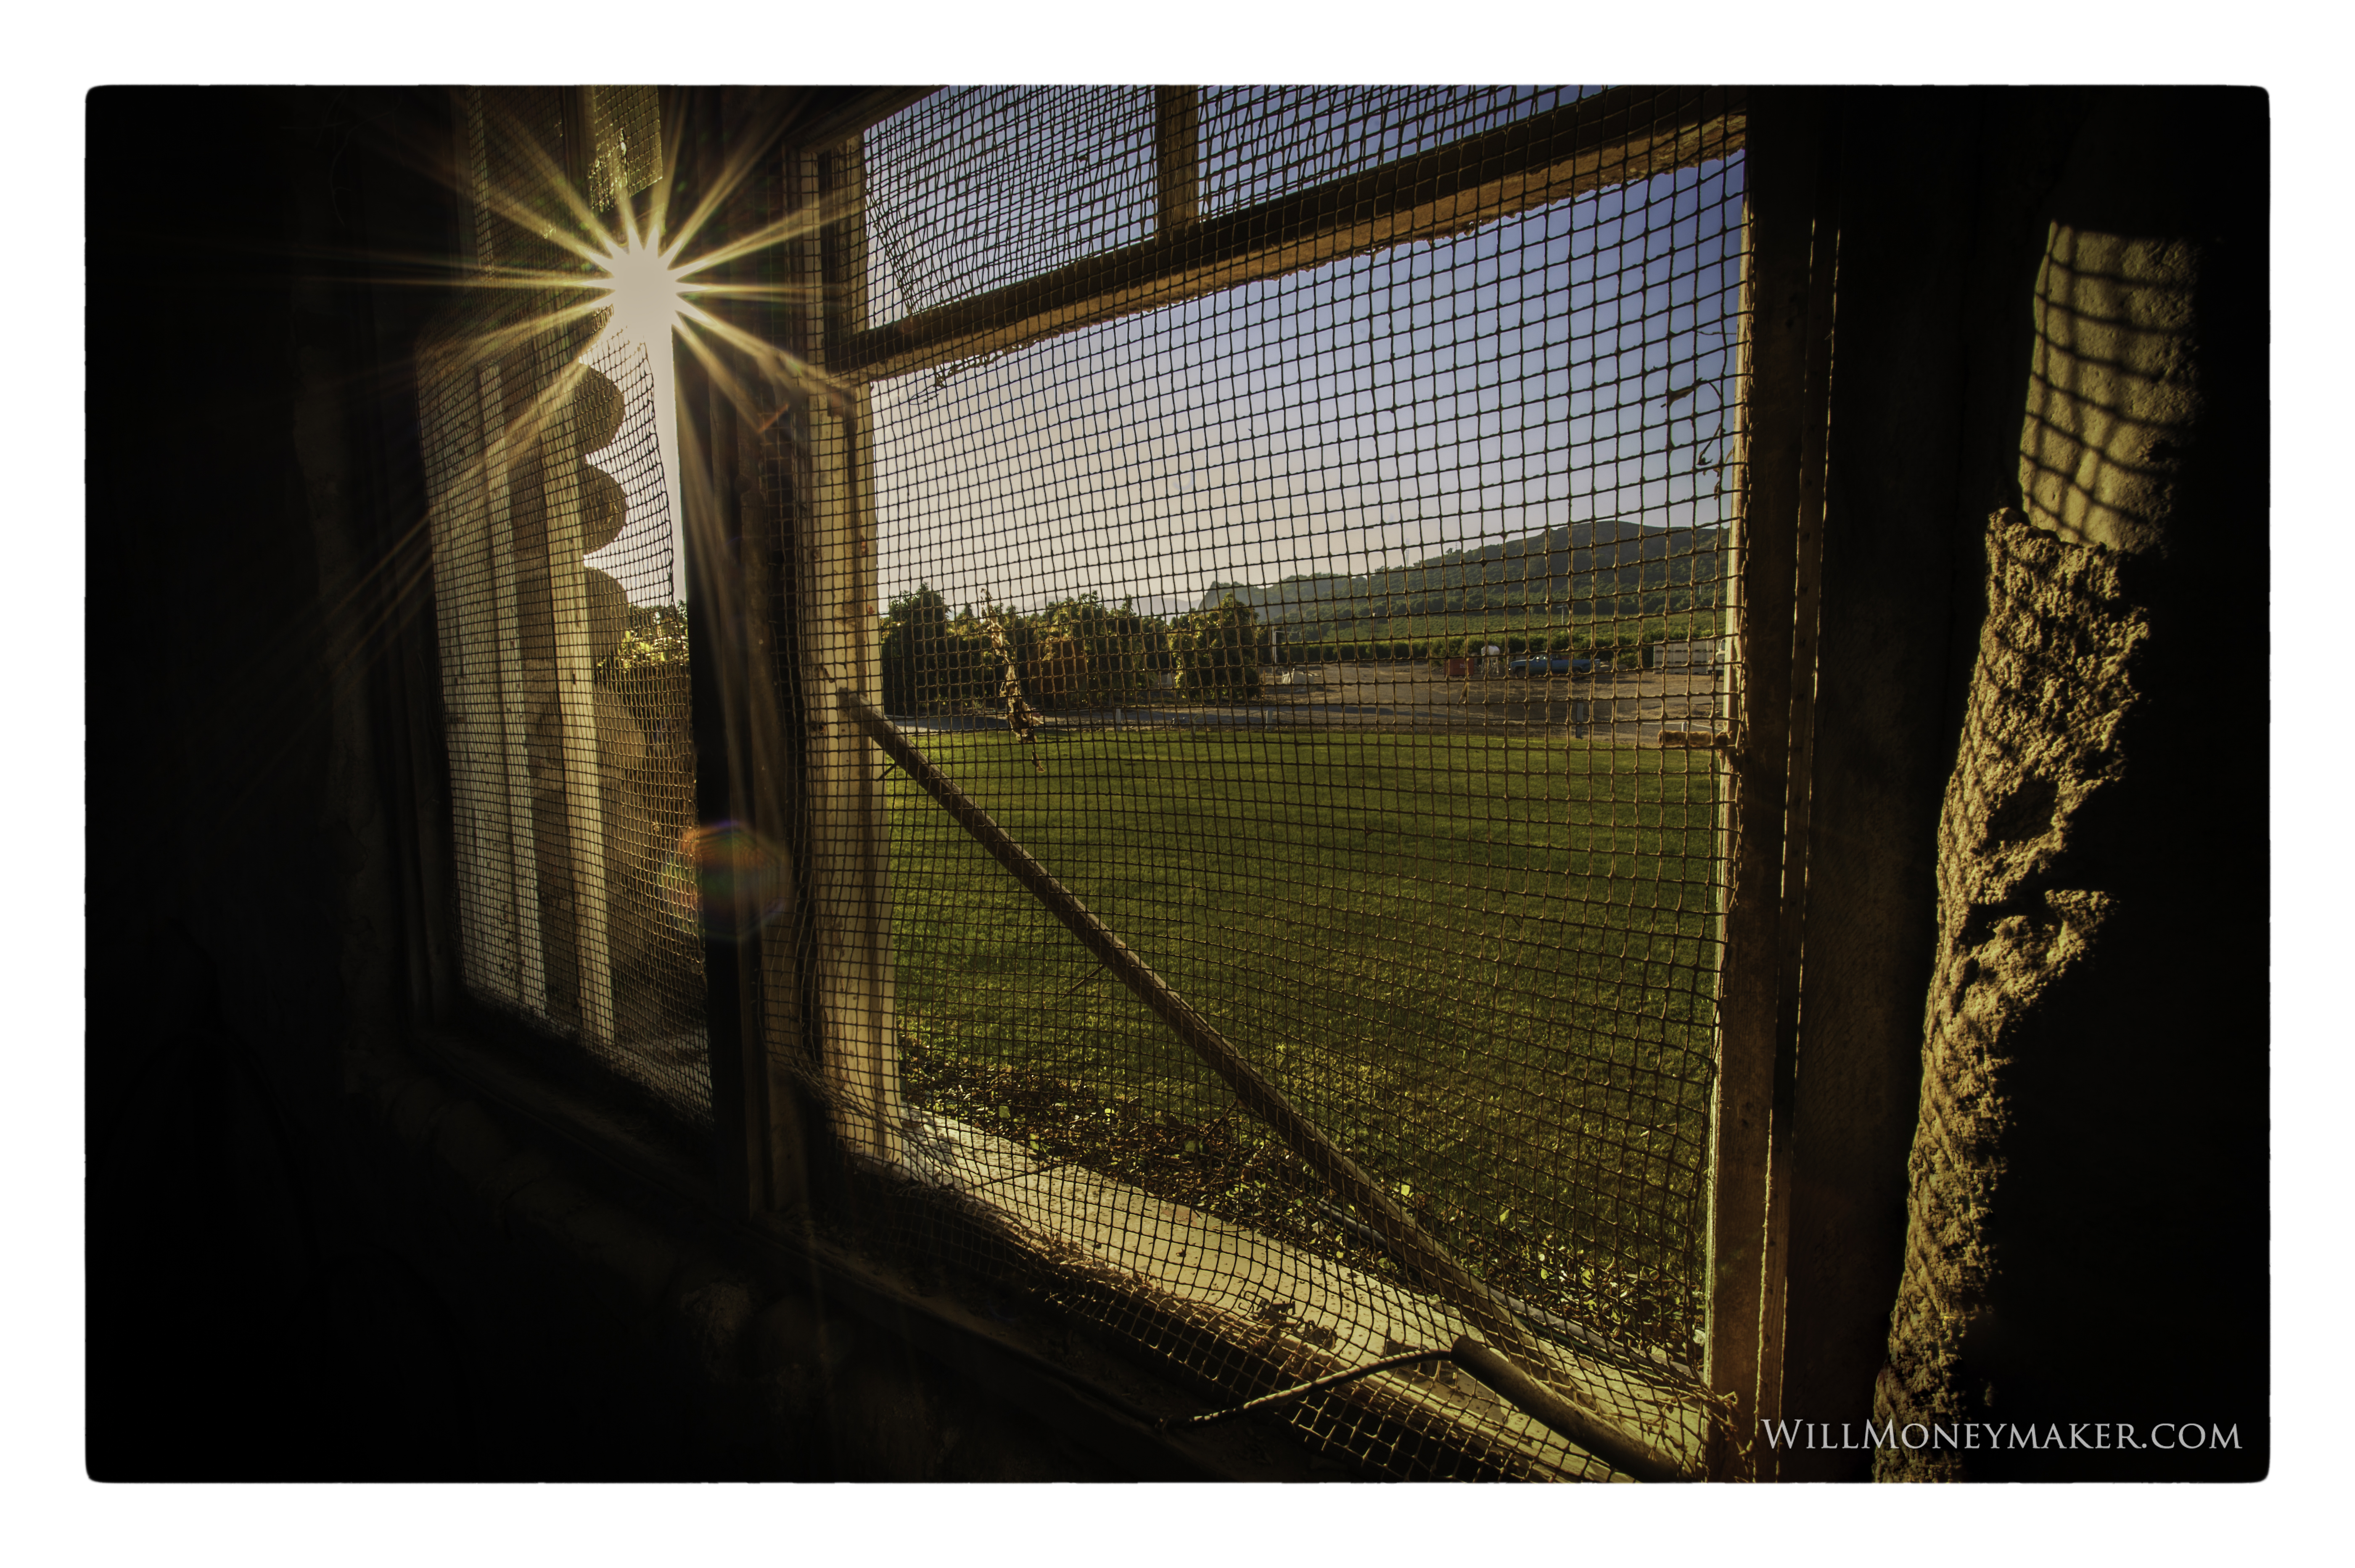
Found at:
<point>2086,1237</point>
<point>2053,682</point>
<point>2114,390</point>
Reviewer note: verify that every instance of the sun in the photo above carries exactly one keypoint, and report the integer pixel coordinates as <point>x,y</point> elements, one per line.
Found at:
<point>647,291</point>
<point>628,273</point>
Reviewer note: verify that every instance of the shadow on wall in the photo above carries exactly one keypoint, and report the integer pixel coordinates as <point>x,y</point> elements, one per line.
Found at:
<point>2114,386</point>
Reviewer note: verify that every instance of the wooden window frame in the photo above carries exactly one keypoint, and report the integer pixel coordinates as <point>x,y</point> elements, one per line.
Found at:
<point>763,534</point>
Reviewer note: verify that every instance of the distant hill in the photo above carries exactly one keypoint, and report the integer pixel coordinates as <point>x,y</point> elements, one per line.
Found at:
<point>1564,569</point>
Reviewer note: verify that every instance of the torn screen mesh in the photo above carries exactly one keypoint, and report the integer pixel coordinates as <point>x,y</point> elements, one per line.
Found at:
<point>1334,602</point>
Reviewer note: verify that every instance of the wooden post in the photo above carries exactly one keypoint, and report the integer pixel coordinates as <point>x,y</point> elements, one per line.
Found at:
<point>456,510</point>
<point>740,420</point>
<point>1736,1141</point>
<point>576,696</point>
<point>836,575</point>
<point>512,706</point>
<point>1815,435</point>
<point>1178,147</point>
<point>1779,206</point>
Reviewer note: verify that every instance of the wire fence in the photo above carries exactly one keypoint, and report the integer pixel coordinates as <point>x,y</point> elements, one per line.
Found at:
<point>1339,615</point>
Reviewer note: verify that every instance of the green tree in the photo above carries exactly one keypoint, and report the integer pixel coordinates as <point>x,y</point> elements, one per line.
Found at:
<point>914,640</point>
<point>1217,651</point>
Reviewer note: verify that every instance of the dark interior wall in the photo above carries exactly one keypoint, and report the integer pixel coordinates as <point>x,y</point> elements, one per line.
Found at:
<point>2088,1188</point>
<point>205,701</point>
<point>1941,231</point>
<point>247,491</point>
<point>1945,201</point>
<point>1908,166</point>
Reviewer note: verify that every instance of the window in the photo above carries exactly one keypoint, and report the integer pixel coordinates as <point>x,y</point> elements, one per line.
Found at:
<point>1307,525</point>
<point>559,582</point>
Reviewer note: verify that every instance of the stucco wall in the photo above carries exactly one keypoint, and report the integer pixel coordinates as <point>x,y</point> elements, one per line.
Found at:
<point>2087,1214</point>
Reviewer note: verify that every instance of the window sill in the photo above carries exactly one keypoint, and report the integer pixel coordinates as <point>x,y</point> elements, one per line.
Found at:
<point>1253,1302</point>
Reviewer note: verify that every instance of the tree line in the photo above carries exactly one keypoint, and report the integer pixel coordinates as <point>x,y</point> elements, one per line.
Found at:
<point>1082,654</point>
<point>1076,654</point>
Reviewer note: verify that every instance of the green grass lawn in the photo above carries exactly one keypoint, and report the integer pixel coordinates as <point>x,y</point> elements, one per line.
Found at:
<point>1484,966</point>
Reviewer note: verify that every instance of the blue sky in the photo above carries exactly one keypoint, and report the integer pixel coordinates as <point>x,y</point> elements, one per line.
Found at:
<point>1369,412</point>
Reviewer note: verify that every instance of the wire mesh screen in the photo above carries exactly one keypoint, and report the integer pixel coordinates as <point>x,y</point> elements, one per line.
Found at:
<point>977,187</point>
<point>624,131</point>
<point>563,633</point>
<point>1334,599</point>
<point>1264,142</point>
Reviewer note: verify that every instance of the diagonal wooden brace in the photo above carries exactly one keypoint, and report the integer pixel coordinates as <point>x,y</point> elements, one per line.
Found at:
<point>1409,1242</point>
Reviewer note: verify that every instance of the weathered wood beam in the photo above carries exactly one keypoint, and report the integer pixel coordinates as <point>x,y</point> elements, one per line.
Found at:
<point>826,116</point>
<point>1625,133</point>
<point>1785,302</point>
<point>1178,157</point>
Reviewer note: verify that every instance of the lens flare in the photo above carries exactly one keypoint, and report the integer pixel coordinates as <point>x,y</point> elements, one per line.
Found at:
<point>648,292</point>
<point>724,881</point>
<point>636,270</point>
